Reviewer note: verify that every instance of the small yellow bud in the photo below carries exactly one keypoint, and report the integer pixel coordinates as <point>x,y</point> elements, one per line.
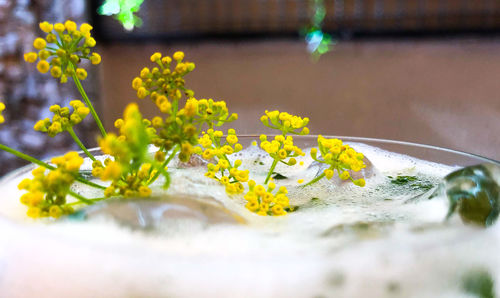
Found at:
<point>51,38</point>
<point>345,175</point>
<point>30,57</point>
<point>59,27</point>
<point>56,71</point>
<point>64,79</point>
<point>360,182</point>
<point>44,54</point>
<point>155,57</point>
<point>70,26</point>
<point>85,28</point>
<point>43,66</point>
<point>55,211</point>
<point>81,73</point>
<point>39,43</point>
<point>34,212</point>
<point>136,83</point>
<point>119,123</point>
<point>144,191</point>
<point>46,27</point>
<point>90,42</point>
<point>95,58</point>
<point>142,92</point>
<point>178,56</point>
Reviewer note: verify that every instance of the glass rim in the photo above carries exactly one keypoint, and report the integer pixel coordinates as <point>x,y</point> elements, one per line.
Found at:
<point>343,138</point>
<point>386,141</point>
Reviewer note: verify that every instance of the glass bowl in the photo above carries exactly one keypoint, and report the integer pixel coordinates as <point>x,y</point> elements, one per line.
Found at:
<point>324,249</point>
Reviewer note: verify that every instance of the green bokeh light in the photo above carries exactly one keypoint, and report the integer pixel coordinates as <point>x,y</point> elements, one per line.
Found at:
<point>123,11</point>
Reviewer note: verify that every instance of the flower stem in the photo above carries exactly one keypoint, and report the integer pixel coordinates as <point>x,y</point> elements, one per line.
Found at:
<point>45,165</point>
<point>80,198</point>
<point>314,180</point>
<point>80,144</point>
<point>275,162</point>
<point>26,157</point>
<point>80,202</point>
<point>89,104</point>
<point>164,164</point>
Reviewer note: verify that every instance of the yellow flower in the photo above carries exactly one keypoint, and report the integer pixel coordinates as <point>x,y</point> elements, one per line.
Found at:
<point>155,57</point>
<point>56,72</point>
<point>112,171</point>
<point>232,139</point>
<point>70,26</point>
<point>345,175</point>
<point>144,191</point>
<point>30,57</point>
<point>55,211</point>
<point>136,83</point>
<point>360,182</point>
<point>81,73</point>
<point>191,107</point>
<point>39,43</point>
<point>43,66</point>
<point>46,27</point>
<point>90,42</point>
<point>34,212</point>
<point>278,210</point>
<point>59,27</point>
<point>85,28</point>
<point>142,92</point>
<point>329,173</point>
<point>2,107</point>
<point>178,56</point>
<point>95,58</point>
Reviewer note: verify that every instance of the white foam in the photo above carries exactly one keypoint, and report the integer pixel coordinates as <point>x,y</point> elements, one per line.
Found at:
<point>324,249</point>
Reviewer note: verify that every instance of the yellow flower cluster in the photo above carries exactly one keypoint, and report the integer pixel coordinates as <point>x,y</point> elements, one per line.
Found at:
<point>65,45</point>
<point>215,147</point>
<point>63,119</point>
<point>2,107</point>
<point>46,194</point>
<point>122,183</point>
<point>340,157</point>
<point>128,171</point>
<point>285,122</point>
<point>281,148</point>
<point>168,132</point>
<point>263,202</point>
<point>163,83</point>
<point>207,111</point>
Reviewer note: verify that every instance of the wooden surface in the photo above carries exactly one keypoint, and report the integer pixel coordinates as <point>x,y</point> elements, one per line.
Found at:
<point>444,93</point>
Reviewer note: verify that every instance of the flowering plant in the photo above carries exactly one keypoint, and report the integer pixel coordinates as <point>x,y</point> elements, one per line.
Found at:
<point>187,127</point>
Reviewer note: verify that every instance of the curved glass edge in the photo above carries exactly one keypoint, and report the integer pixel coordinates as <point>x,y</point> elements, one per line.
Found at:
<point>371,141</point>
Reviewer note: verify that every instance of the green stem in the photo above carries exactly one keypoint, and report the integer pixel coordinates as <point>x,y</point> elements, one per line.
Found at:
<point>314,180</point>
<point>26,157</point>
<point>80,202</point>
<point>80,144</point>
<point>163,165</point>
<point>89,104</point>
<point>43,164</point>
<point>80,198</point>
<point>275,162</point>
<point>89,183</point>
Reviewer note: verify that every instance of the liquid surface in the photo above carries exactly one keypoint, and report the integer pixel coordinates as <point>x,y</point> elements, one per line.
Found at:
<point>342,241</point>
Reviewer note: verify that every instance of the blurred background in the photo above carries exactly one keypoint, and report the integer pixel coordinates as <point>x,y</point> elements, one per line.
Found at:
<point>425,71</point>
